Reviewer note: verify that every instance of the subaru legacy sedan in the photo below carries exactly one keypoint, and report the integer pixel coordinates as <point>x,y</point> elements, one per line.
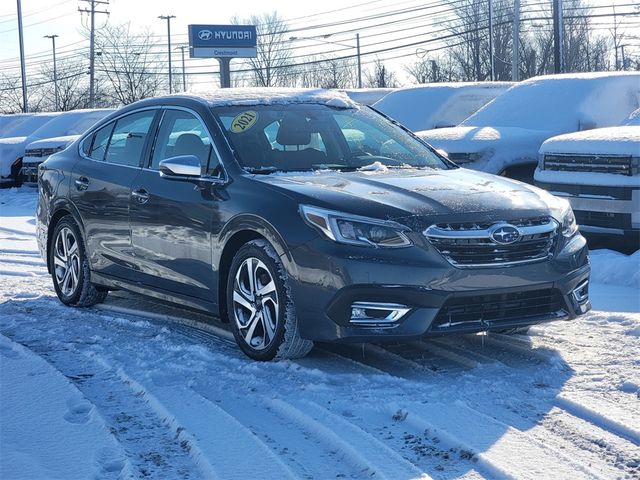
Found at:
<point>299,216</point>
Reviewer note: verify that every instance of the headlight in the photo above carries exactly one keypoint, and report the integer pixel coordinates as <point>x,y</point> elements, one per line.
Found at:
<point>355,230</point>
<point>569,224</point>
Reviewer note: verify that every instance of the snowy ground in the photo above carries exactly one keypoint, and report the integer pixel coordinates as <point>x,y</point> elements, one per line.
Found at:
<point>133,390</point>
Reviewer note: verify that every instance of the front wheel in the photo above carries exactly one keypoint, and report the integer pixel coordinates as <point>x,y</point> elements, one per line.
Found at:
<point>260,306</point>
<point>70,267</point>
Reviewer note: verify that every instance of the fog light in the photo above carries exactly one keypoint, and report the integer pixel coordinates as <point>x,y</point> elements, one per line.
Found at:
<point>380,315</point>
<point>581,292</point>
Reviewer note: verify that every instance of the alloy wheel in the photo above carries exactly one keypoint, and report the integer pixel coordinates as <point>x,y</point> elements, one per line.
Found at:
<point>255,304</point>
<point>66,261</point>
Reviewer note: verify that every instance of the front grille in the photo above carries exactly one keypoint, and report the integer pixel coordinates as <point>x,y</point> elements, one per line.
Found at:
<point>467,245</point>
<point>621,165</point>
<point>498,308</point>
<point>40,152</point>
<point>603,219</point>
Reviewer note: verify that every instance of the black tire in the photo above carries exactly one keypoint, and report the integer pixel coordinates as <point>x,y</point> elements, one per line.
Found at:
<point>257,334</point>
<point>72,277</point>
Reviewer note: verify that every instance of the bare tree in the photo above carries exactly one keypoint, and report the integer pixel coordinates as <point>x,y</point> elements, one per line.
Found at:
<point>270,67</point>
<point>380,76</point>
<point>327,73</point>
<point>11,94</point>
<point>73,88</point>
<point>127,64</point>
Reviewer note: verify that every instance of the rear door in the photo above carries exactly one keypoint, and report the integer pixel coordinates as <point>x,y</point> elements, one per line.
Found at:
<point>172,219</point>
<point>101,189</point>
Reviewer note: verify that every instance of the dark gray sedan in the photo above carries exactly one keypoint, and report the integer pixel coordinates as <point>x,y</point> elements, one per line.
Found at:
<point>300,216</point>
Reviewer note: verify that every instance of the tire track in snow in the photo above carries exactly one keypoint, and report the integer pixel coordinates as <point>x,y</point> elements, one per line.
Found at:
<point>152,448</point>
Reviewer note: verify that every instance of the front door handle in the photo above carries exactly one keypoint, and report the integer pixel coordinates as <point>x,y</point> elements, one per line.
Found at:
<point>82,183</point>
<point>140,195</point>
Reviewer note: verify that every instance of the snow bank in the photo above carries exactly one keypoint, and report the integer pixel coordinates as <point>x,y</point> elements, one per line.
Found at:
<point>276,96</point>
<point>600,141</point>
<point>438,105</point>
<point>610,267</point>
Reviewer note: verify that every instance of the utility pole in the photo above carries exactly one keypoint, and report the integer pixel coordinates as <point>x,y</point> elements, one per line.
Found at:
<point>359,61</point>
<point>515,59</point>
<point>168,19</point>
<point>558,29</point>
<point>92,33</point>
<point>624,60</point>
<point>184,75</point>
<point>55,70</point>
<point>493,72</point>
<point>25,106</point>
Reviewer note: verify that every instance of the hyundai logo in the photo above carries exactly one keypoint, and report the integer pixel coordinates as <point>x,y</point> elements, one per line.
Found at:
<point>205,34</point>
<point>505,234</point>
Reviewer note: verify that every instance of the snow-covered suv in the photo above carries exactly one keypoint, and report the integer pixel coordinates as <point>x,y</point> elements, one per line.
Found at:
<point>505,135</point>
<point>599,173</point>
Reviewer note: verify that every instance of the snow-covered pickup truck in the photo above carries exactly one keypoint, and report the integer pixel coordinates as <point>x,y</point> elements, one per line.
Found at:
<point>505,135</point>
<point>598,172</point>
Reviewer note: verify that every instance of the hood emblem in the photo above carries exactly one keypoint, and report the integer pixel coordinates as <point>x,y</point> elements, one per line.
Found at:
<point>504,234</point>
<point>205,34</point>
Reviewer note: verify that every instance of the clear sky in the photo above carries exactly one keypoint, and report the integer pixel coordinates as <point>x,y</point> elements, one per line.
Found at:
<point>61,17</point>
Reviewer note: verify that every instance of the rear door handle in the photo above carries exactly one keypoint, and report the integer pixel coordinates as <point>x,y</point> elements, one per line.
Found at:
<point>82,183</point>
<point>140,195</point>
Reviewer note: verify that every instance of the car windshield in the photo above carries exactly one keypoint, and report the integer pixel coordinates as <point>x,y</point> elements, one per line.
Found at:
<point>306,137</point>
<point>27,126</point>
<point>71,123</point>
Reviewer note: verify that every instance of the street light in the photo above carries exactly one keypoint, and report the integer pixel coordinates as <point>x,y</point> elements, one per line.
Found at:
<point>342,45</point>
<point>184,77</point>
<point>55,70</point>
<point>168,19</point>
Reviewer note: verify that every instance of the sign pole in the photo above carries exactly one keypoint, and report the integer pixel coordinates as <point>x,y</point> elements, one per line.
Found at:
<point>225,72</point>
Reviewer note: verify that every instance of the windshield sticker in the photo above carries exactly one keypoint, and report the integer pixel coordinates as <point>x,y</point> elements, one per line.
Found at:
<point>244,121</point>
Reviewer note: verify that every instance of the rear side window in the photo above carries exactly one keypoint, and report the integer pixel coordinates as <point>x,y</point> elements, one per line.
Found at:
<point>128,138</point>
<point>96,147</point>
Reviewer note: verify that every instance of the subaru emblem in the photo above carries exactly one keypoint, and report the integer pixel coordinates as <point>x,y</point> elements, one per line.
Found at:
<point>505,234</point>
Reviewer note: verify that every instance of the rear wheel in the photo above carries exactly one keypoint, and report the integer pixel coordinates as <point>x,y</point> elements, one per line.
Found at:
<point>260,306</point>
<point>70,267</point>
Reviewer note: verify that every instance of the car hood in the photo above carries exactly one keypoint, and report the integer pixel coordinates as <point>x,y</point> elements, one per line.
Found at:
<point>623,140</point>
<point>10,149</point>
<point>491,149</point>
<point>53,142</point>
<point>465,195</point>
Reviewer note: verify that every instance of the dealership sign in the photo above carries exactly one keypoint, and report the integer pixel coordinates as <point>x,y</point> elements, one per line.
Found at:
<point>222,41</point>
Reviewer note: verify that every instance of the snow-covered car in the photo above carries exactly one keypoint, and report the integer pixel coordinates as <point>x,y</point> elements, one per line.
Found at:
<point>367,96</point>
<point>74,122</point>
<point>9,121</point>
<point>12,143</point>
<point>505,135</point>
<point>598,172</point>
<point>438,105</point>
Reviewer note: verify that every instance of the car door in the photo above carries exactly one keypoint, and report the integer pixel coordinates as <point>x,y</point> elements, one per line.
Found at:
<point>101,190</point>
<point>172,218</point>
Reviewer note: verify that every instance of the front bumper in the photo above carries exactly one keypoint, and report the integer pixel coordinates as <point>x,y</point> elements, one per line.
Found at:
<point>606,210</point>
<point>439,298</point>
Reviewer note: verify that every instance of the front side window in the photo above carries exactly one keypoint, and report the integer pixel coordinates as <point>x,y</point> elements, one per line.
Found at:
<point>128,138</point>
<point>182,133</point>
<point>303,137</point>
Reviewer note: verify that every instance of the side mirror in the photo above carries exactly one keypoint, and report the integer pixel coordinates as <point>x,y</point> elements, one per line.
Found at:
<point>187,166</point>
<point>443,153</point>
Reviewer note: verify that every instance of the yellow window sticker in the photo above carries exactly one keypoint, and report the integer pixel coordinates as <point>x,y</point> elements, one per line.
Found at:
<point>244,121</point>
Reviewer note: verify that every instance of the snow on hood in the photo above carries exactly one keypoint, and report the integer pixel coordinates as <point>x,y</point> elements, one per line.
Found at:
<point>436,105</point>
<point>419,193</point>
<point>63,141</point>
<point>10,149</point>
<point>274,96</point>
<point>491,148</point>
<point>601,141</point>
